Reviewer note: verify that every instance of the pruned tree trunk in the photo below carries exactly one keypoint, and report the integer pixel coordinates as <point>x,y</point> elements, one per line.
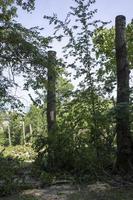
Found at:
<point>124,140</point>
<point>51,106</point>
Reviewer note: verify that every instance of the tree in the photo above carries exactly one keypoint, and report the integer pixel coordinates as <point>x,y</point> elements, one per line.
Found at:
<point>104,41</point>
<point>9,8</point>
<point>51,107</point>
<point>124,139</point>
<point>51,95</point>
<point>23,52</point>
<point>79,28</point>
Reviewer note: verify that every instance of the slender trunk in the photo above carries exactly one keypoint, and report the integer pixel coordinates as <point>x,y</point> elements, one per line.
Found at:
<point>51,106</point>
<point>24,140</point>
<point>124,140</point>
<point>31,133</point>
<point>9,135</point>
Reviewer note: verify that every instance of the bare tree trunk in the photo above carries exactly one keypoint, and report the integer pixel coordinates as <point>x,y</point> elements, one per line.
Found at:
<point>9,135</point>
<point>51,106</point>
<point>31,133</point>
<point>24,137</point>
<point>124,140</point>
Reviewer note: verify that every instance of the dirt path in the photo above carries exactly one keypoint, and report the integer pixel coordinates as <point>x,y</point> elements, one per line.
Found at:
<point>97,191</point>
<point>54,192</point>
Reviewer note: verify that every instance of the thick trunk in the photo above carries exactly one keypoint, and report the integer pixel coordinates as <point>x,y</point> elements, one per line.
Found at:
<point>51,106</point>
<point>124,140</point>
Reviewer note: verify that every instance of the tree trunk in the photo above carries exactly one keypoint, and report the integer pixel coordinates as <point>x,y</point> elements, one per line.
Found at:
<point>24,137</point>
<point>9,135</point>
<point>51,106</point>
<point>31,133</point>
<point>124,140</point>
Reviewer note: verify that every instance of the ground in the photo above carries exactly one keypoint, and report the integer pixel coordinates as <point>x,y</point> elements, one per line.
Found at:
<point>15,172</point>
<point>97,191</point>
<point>47,193</point>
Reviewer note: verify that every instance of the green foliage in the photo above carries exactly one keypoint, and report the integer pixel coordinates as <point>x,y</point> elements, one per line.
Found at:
<point>9,8</point>
<point>84,138</point>
<point>3,138</point>
<point>20,152</point>
<point>104,44</point>
<point>81,144</point>
<point>36,118</point>
<point>79,34</point>
<point>23,52</point>
<point>84,142</point>
<point>15,128</point>
<point>8,169</point>
<point>12,164</point>
<point>85,123</point>
<point>64,90</point>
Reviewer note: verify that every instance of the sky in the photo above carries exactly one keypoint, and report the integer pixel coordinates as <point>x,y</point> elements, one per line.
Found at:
<point>107,11</point>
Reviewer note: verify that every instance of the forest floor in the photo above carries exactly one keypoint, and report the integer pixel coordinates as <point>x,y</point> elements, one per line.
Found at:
<point>66,192</point>
<point>16,165</point>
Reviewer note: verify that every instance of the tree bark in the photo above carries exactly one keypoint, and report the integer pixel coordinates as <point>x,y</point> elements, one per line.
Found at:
<point>51,107</point>
<point>124,141</point>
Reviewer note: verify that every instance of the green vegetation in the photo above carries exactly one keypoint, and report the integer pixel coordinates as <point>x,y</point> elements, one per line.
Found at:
<point>15,161</point>
<point>67,132</point>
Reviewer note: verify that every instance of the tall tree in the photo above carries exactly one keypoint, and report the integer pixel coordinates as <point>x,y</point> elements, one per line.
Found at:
<point>124,161</point>
<point>51,106</point>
